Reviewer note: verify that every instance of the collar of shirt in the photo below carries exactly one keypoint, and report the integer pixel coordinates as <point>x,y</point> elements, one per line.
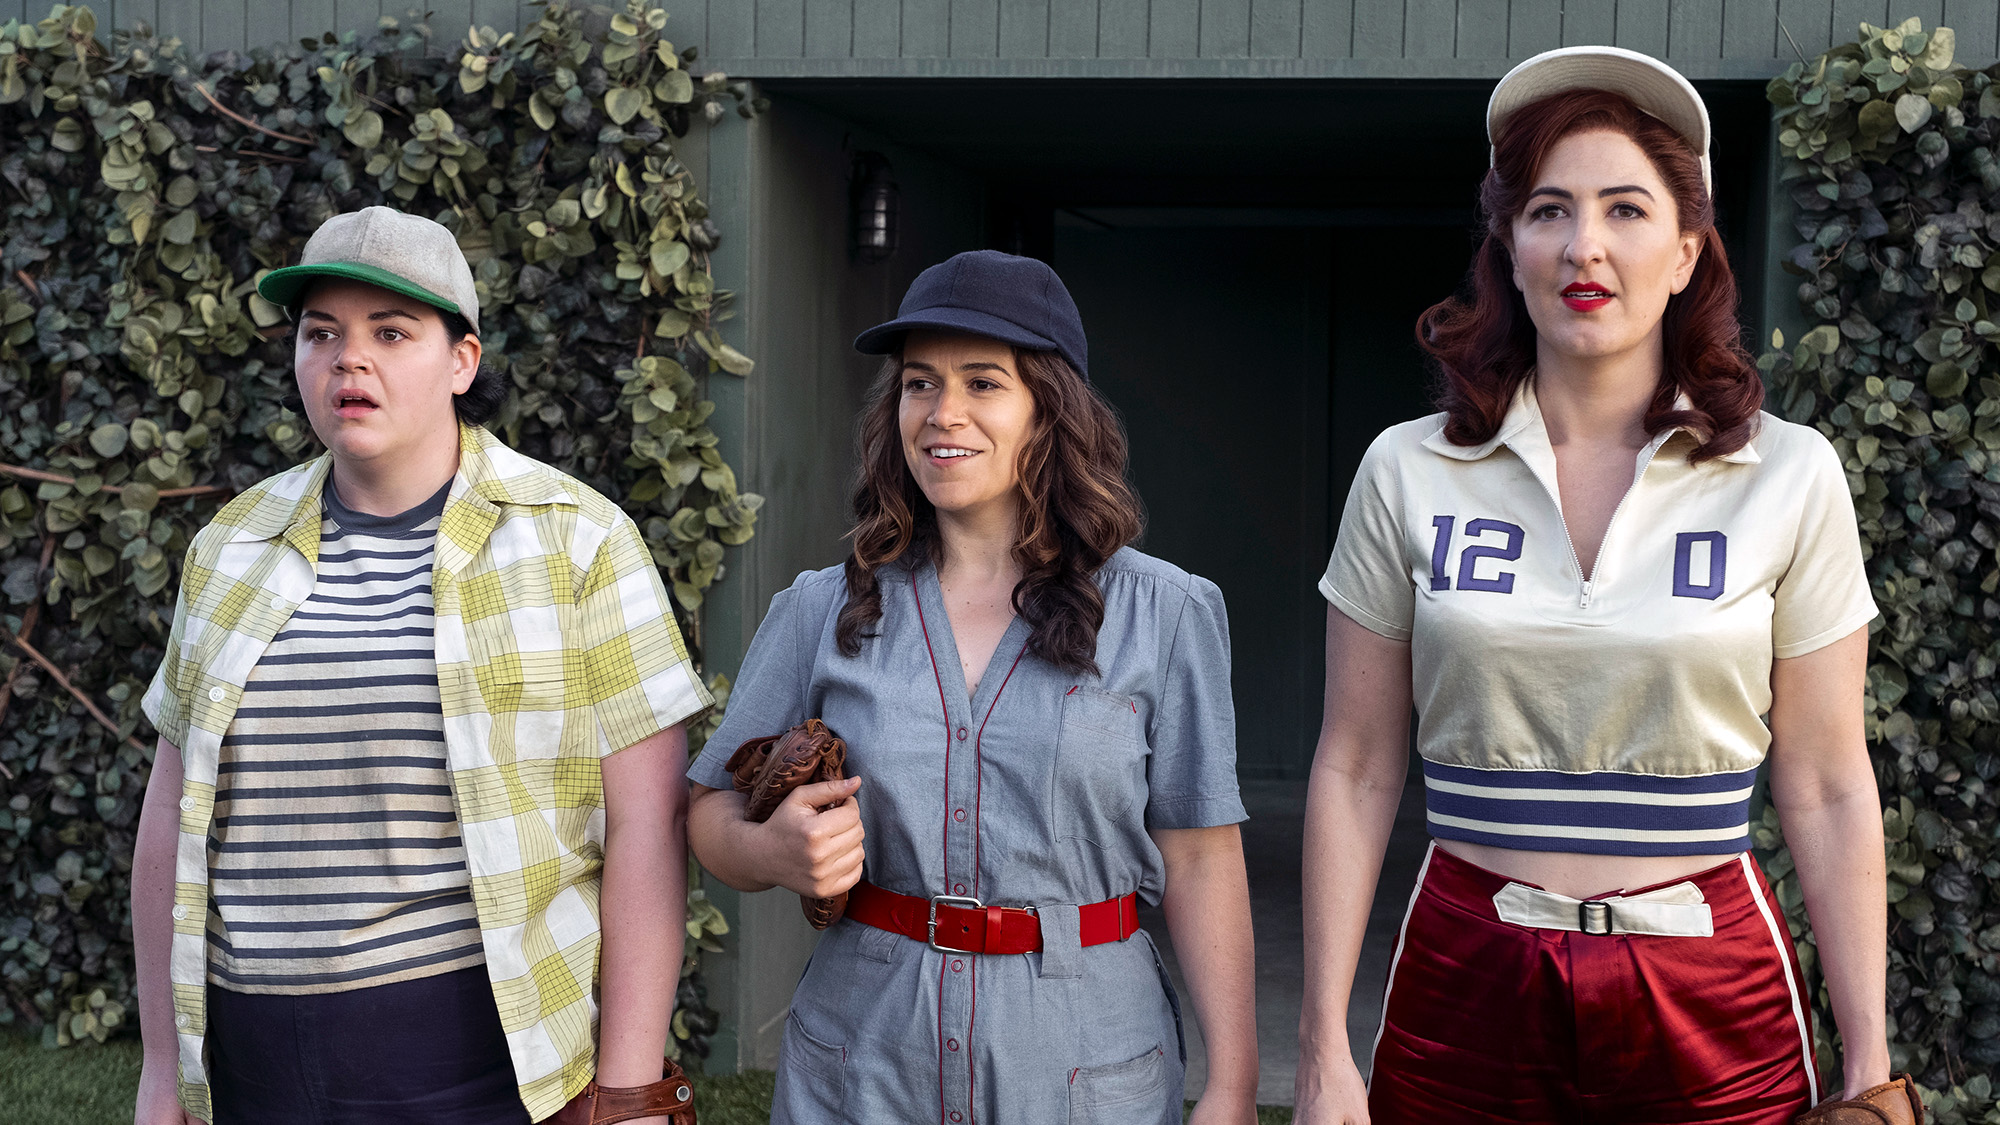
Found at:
<point>1524,431</point>
<point>489,475</point>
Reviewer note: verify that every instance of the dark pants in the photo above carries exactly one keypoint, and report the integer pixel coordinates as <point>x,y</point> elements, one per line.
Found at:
<point>425,1052</point>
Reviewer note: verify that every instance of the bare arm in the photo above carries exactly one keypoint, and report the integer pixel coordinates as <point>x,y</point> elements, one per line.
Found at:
<point>818,854</point>
<point>1357,782</point>
<point>1207,904</point>
<point>643,905</point>
<point>153,852</point>
<point>1825,792</point>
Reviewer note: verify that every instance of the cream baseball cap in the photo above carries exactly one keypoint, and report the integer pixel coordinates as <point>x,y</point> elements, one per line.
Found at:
<point>1653,86</point>
<point>405,254</point>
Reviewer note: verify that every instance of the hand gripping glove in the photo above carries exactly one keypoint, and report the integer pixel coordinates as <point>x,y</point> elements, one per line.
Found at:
<point>1894,1102</point>
<point>766,769</point>
<point>671,1097</point>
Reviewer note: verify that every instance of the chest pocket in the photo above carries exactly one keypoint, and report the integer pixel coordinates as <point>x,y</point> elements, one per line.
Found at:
<point>527,671</point>
<point>1099,784</point>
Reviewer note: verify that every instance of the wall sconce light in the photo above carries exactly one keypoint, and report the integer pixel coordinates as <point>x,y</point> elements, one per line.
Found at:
<point>874,200</point>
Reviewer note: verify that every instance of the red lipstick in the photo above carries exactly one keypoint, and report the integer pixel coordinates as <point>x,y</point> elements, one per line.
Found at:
<point>1585,297</point>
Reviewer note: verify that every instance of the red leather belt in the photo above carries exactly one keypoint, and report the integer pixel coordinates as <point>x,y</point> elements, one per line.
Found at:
<point>958,924</point>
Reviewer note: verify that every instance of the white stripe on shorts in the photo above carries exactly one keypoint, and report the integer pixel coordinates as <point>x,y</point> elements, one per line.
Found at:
<point>1402,935</point>
<point>1778,938</point>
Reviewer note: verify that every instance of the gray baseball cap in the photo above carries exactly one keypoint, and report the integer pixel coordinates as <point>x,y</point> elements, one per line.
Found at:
<point>405,254</point>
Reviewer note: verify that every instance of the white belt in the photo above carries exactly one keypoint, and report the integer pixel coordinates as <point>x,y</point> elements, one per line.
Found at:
<point>1676,911</point>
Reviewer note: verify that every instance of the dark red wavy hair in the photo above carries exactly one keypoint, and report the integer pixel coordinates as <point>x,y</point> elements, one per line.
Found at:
<point>1484,346</point>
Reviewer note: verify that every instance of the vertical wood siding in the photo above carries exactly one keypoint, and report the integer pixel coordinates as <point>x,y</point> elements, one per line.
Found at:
<point>1699,33</point>
<point>1159,38</point>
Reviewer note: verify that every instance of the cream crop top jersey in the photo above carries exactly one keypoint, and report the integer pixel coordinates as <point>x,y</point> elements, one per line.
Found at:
<point>1618,716</point>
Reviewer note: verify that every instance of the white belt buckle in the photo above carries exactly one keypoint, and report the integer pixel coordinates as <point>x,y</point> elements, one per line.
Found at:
<point>1593,916</point>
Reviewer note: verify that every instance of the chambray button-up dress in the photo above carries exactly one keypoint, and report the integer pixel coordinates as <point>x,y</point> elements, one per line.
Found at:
<point>1034,787</point>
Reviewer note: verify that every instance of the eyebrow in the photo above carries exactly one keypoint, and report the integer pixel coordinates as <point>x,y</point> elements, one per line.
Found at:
<point>385,314</point>
<point>919,365</point>
<point>1606,193</point>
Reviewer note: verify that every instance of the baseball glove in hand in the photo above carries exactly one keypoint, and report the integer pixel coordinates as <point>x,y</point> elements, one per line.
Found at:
<point>1894,1102</point>
<point>766,769</point>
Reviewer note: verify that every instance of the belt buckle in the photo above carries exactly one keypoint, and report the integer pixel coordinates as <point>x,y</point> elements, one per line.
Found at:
<point>1593,917</point>
<point>961,901</point>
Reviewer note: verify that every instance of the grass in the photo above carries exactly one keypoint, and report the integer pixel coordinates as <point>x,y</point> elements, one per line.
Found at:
<point>92,1085</point>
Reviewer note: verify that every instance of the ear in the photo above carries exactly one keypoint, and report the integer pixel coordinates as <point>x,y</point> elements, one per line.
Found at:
<point>464,363</point>
<point>1690,256</point>
<point>1513,265</point>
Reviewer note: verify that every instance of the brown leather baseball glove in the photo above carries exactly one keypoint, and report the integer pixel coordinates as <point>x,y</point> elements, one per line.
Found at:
<point>672,1097</point>
<point>766,769</point>
<point>1894,1102</point>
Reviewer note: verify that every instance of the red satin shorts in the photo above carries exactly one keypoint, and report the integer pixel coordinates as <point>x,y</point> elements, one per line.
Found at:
<point>1487,1021</point>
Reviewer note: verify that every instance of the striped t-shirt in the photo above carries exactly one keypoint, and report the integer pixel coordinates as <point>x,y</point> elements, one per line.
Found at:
<point>335,858</point>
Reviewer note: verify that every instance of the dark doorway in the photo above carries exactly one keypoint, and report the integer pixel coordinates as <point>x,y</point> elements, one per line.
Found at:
<point>1253,356</point>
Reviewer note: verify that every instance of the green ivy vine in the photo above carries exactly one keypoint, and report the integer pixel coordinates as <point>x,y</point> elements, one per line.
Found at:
<point>142,381</point>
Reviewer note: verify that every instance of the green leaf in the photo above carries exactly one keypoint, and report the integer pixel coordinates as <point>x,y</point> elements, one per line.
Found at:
<point>141,497</point>
<point>67,135</point>
<point>544,115</point>
<point>1945,380</point>
<point>675,88</point>
<point>668,255</point>
<point>108,440</point>
<point>1913,111</point>
<point>1937,53</point>
<point>1824,339</point>
<point>623,103</point>
<point>1877,119</point>
<point>673,324</point>
<point>363,130</point>
<point>180,230</point>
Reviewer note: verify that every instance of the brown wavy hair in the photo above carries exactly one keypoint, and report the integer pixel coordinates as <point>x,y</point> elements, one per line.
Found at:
<point>1484,345</point>
<point>1077,510</point>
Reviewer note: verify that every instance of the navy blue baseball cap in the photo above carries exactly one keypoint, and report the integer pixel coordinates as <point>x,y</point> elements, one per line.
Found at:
<point>1018,301</point>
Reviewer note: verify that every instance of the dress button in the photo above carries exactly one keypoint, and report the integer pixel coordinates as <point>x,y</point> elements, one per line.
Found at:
<point>182,1019</point>
<point>961,734</point>
<point>215,694</point>
<point>955,1116</point>
<point>959,889</point>
<point>951,1044</point>
<point>187,804</point>
<point>180,913</point>
<point>957,966</point>
<point>958,815</point>
<point>277,601</point>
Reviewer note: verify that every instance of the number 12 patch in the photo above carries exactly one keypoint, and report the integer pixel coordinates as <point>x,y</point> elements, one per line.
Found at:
<point>1695,552</point>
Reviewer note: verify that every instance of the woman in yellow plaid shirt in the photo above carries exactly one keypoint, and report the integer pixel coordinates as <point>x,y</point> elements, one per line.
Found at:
<point>417,802</point>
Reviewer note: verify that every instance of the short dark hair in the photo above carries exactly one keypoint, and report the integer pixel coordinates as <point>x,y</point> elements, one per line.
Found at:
<point>482,400</point>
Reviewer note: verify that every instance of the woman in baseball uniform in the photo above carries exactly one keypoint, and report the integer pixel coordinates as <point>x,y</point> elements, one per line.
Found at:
<point>1592,574</point>
<point>1039,718</point>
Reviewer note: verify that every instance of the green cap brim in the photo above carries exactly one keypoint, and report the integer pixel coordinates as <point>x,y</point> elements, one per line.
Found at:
<point>282,287</point>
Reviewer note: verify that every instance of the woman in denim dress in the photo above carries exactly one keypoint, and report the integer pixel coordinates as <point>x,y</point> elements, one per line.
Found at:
<point>1039,726</point>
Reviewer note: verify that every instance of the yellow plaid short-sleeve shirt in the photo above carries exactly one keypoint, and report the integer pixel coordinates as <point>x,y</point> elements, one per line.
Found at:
<point>556,645</point>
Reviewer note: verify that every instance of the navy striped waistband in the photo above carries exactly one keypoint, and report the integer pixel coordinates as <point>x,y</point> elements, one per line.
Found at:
<point>1600,813</point>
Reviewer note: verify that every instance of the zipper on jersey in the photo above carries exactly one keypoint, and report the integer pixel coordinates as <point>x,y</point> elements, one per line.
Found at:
<point>1588,586</point>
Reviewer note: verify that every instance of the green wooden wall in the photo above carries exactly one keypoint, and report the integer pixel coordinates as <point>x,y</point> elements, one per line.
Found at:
<point>1137,38</point>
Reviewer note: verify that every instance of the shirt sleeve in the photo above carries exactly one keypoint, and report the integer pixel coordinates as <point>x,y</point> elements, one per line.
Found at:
<point>1191,775</point>
<point>1824,594</point>
<point>1367,578</point>
<point>771,689</point>
<point>163,703</point>
<point>639,676</point>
